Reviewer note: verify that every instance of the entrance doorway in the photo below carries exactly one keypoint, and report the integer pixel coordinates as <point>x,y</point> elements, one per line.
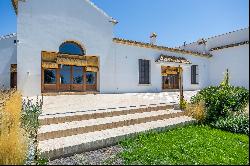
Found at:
<point>170,81</point>
<point>69,70</point>
<point>170,78</point>
<point>13,76</point>
<point>69,78</point>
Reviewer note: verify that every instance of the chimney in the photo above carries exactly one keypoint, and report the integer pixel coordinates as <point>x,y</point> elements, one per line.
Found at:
<point>153,37</point>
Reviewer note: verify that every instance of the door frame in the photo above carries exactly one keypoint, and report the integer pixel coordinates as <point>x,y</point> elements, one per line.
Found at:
<point>58,87</point>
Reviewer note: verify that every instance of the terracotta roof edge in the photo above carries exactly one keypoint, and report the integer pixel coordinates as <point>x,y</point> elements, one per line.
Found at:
<point>229,45</point>
<point>124,41</point>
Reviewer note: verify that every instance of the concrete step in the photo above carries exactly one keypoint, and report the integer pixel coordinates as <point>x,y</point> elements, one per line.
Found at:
<point>70,145</point>
<point>48,119</point>
<point>91,125</point>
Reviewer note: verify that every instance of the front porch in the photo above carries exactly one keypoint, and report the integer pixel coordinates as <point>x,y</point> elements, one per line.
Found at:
<point>73,103</point>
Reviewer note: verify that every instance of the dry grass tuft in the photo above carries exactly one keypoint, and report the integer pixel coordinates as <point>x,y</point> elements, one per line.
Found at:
<point>197,111</point>
<point>13,142</point>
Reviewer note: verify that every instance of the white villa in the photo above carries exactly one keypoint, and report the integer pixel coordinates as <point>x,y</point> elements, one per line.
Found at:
<point>69,46</point>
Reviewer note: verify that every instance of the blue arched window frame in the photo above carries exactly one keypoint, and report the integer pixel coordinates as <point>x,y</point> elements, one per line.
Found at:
<point>71,48</point>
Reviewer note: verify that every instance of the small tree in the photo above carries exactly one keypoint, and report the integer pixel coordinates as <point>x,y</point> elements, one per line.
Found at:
<point>226,79</point>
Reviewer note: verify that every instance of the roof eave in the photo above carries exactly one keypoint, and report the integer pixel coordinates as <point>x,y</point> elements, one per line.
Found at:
<point>148,45</point>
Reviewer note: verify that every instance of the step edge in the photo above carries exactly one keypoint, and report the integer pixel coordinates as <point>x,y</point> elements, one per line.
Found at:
<point>64,151</point>
<point>101,127</point>
<point>76,117</point>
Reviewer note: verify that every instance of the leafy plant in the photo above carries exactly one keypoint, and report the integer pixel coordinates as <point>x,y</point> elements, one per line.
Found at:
<point>30,114</point>
<point>233,123</point>
<point>183,104</point>
<point>222,100</point>
<point>226,79</point>
<point>41,160</point>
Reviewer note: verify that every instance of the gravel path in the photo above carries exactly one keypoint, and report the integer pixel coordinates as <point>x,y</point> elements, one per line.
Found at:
<point>105,156</point>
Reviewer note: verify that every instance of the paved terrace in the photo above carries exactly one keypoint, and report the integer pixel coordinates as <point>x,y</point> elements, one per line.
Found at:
<point>74,103</point>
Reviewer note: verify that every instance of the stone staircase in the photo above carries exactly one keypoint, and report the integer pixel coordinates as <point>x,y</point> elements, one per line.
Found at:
<point>66,134</point>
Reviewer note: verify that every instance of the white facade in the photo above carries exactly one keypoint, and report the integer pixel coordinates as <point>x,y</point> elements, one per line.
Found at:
<point>127,70</point>
<point>7,57</point>
<point>236,59</point>
<point>45,25</point>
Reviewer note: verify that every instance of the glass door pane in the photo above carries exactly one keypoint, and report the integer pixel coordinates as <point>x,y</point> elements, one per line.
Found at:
<point>65,78</point>
<point>77,75</point>
<point>91,78</point>
<point>91,81</point>
<point>77,79</point>
<point>65,74</point>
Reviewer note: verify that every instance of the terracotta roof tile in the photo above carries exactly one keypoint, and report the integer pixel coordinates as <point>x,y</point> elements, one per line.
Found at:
<point>230,45</point>
<point>166,58</point>
<point>148,45</point>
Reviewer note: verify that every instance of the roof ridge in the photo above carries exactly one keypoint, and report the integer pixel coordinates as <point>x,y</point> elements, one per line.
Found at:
<point>99,9</point>
<point>218,35</point>
<point>8,36</point>
<point>148,45</point>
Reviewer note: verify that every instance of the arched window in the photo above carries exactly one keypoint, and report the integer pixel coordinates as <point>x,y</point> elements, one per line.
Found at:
<point>72,48</point>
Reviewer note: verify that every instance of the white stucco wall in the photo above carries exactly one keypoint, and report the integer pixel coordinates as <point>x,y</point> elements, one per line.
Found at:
<point>44,25</point>
<point>236,59</point>
<point>127,69</point>
<point>220,40</point>
<point>8,56</point>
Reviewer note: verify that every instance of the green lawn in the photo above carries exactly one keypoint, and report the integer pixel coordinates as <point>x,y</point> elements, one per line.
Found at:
<point>187,145</point>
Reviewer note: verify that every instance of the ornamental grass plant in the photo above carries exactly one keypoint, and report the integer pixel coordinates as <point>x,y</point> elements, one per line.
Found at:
<point>13,139</point>
<point>197,111</point>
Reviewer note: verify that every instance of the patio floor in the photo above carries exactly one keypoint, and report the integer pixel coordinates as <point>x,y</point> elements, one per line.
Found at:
<point>74,103</point>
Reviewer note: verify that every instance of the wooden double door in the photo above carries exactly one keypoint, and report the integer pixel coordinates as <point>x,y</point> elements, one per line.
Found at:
<point>170,81</point>
<point>68,79</point>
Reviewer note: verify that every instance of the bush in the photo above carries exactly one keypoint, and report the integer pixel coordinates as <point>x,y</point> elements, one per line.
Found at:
<point>233,123</point>
<point>31,112</point>
<point>221,101</point>
<point>13,140</point>
<point>197,111</point>
<point>183,104</point>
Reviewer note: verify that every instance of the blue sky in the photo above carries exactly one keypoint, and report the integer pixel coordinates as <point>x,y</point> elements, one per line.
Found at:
<point>175,21</point>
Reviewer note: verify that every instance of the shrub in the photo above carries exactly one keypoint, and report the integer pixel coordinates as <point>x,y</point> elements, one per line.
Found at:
<point>31,112</point>
<point>13,141</point>
<point>197,111</point>
<point>183,104</point>
<point>222,100</point>
<point>233,123</point>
